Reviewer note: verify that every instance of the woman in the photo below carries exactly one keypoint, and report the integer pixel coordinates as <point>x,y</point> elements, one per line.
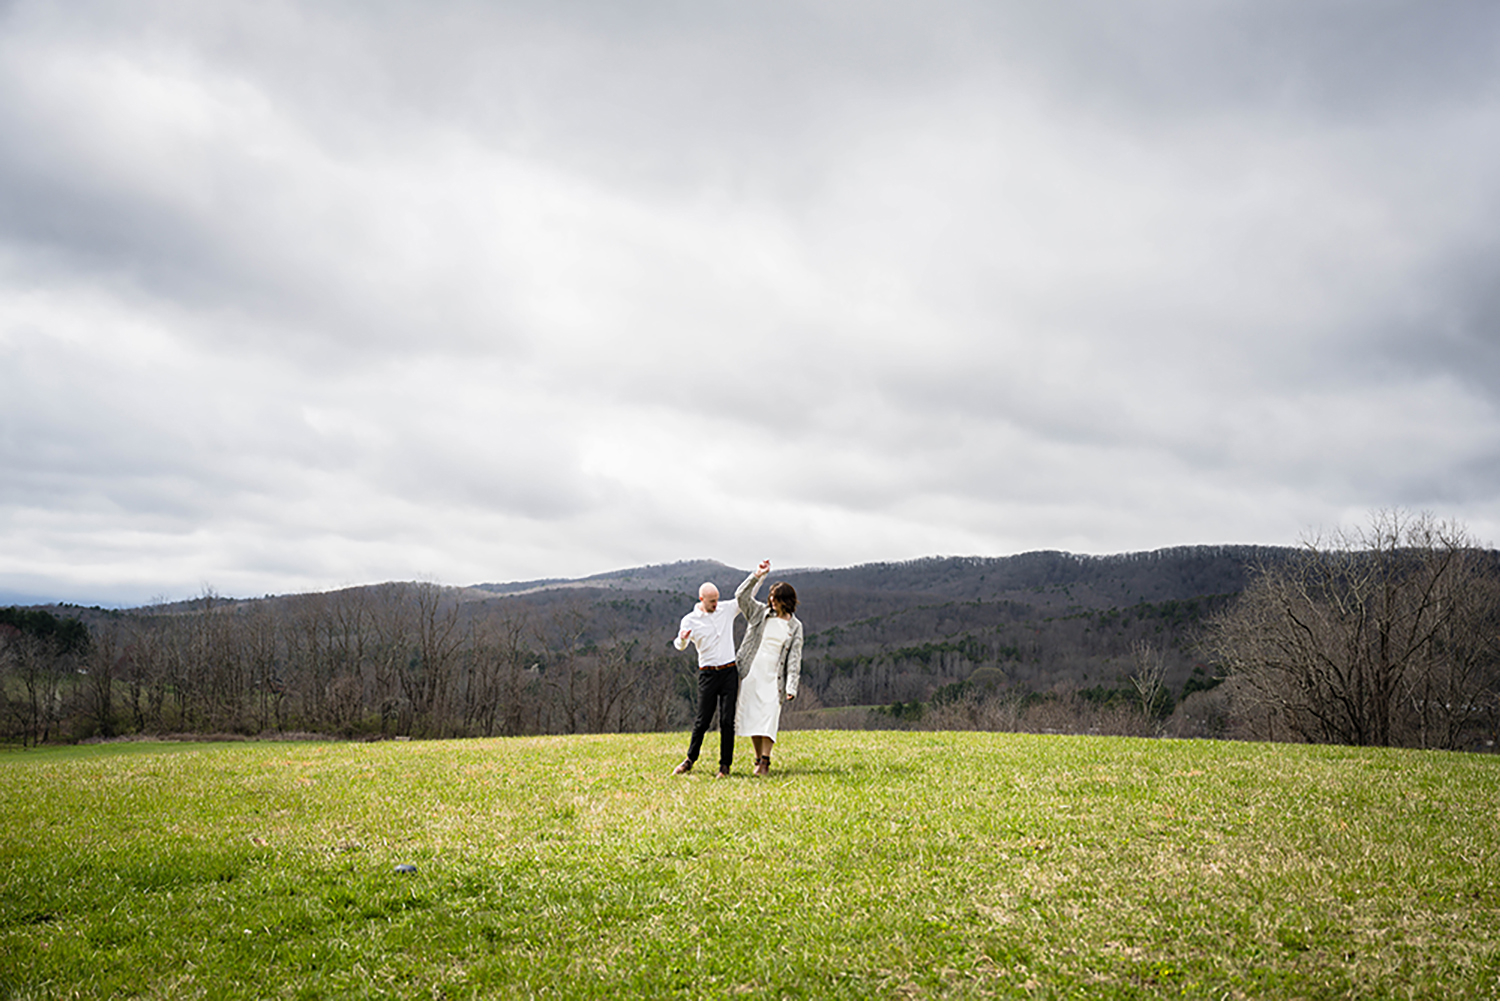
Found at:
<point>770,662</point>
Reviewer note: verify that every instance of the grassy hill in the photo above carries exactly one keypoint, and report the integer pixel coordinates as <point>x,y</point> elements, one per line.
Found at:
<point>869,866</point>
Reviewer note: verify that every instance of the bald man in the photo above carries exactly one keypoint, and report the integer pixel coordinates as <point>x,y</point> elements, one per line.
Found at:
<point>710,627</point>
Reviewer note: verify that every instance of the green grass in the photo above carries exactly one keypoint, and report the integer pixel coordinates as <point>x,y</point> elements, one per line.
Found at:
<point>883,865</point>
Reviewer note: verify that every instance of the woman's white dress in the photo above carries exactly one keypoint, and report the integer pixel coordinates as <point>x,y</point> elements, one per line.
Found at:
<point>758,711</point>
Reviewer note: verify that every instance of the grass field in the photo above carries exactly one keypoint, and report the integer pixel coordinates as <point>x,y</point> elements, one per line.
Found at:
<point>885,865</point>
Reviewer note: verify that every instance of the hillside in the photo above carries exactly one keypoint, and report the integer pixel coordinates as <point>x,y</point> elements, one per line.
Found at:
<point>887,632</point>
<point>594,653</point>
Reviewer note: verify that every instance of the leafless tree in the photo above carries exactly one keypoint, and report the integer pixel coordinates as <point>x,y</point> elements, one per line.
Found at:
<point>496,676</point>
<point>393,620</point>
<point>217,661</point>
<point>562,637</point>
<point>429,676</point>
<point>1381,636</point>
<point>103,663</point>
<point>347,625</point>
<point>32,684</point>
<point>260,635</point>
<point>144,673</point>
<point>616,681</point>
<point>1149,679</point>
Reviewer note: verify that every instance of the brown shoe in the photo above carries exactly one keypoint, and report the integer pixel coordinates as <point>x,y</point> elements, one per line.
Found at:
<point>722,775</point>
<point>684,768</point>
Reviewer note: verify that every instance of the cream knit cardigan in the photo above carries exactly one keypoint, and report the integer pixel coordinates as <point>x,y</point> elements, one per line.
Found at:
<point>789,671</point>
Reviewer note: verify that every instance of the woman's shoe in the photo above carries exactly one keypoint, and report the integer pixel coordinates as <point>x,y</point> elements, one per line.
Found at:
<point>762,766</point>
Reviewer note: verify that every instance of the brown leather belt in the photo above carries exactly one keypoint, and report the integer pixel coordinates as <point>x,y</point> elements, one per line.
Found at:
<point>721,667</point>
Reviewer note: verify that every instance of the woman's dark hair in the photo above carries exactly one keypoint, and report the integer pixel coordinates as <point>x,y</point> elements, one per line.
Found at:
<point>785,595</point>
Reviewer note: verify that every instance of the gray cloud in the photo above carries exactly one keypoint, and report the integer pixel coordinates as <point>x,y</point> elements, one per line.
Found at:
<point>294,295</point>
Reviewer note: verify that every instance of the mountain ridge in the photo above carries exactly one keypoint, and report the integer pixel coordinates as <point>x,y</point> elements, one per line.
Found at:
<point>1043,567</point>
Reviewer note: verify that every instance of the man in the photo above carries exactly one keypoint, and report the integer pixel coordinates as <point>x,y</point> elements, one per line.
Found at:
<point>710,627</point>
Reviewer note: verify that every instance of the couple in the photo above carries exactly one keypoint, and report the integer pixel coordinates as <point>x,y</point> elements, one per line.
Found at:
<point>769,660</point>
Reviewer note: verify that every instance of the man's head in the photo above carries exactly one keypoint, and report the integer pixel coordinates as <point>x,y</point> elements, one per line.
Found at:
<point>708,594</point>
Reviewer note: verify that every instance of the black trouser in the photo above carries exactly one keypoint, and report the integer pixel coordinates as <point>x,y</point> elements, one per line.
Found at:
<point>717,686</point>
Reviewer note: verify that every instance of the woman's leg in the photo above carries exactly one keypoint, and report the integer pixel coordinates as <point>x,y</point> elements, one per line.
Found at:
<point>762,745</point>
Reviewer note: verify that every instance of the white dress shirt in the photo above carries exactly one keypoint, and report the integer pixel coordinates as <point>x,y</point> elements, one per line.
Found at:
<point>712,633</point>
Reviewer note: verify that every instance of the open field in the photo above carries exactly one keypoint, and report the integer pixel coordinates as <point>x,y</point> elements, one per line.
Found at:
<point>883,865</point>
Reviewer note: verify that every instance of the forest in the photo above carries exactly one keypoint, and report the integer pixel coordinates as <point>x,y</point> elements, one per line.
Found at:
<point>592,655</point>
<point>1044,640</point>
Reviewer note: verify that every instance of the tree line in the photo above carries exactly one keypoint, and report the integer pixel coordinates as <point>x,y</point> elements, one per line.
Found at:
<point>1385,635</point>
<point>1388,635</point>
<point>398,660</point>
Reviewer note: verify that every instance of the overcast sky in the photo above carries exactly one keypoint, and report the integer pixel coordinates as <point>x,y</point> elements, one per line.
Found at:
<point>300,295</point>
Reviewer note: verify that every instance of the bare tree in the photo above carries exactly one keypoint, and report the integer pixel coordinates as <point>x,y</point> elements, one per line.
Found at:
<point>346,638</point>
<point>33,691</point>
<point>1150,680</point>
<point>497,681</point>
<point>1377,637</point>
<point>104,661</point>
<point>672,689</point>
<point>267,687</point>
<point>562,637</point>
<point>394,623</point>
<point>616,682</point>
<point>428,679</point>
<point>145,674</point>
<point>218,662</point>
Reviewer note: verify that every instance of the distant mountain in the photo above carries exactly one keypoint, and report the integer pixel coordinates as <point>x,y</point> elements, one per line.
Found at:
<point>881,632</point>
<point>682,576</point>
<point>1047,582</point>
<point>1159,575</point>
<point>1162,574</point>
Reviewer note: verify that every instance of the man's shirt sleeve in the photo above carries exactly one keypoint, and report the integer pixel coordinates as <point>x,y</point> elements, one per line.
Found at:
<point>685,624</point>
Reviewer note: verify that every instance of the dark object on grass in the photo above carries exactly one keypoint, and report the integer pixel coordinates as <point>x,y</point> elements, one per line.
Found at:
<point>406,867</point>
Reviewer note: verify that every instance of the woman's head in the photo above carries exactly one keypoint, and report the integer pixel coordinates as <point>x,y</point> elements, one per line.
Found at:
<point>783,597</point>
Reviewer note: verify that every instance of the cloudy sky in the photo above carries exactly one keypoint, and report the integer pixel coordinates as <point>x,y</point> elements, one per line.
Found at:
<point>299,295</point>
